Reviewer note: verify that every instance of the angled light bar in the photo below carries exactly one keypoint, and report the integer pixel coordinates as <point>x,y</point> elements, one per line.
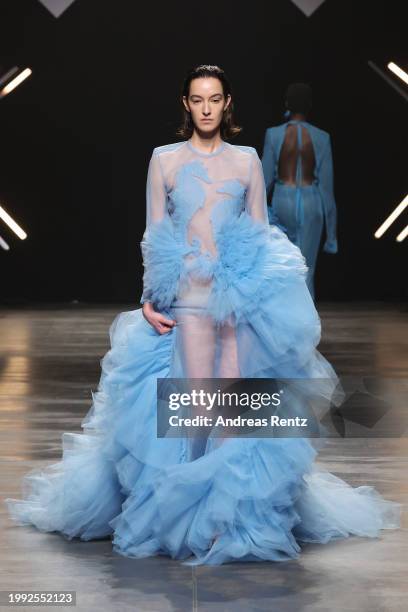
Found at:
<point>398,71</point>
<point>402,235</point>
<point>15,82</point>
<point>12,224</point>
<point>390,220</point>
<point>4,245</point>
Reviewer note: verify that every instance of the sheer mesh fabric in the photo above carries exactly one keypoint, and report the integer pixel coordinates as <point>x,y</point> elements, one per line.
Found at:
<point>200,193</point>
<point>231,175</point>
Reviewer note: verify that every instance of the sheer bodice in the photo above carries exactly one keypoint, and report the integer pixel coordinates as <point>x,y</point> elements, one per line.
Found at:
<point>198,204</point>
<point>183,181</point>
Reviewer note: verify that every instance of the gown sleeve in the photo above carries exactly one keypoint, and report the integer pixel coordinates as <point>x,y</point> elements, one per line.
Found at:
<point>268,163</point>
<point>156,211</point>
<point>268,166</point>
<point>255,203</point>
<point>329,204</point>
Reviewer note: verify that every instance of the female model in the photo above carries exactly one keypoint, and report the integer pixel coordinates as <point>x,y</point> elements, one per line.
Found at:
<point>224,296</point>
<point>298,168</point>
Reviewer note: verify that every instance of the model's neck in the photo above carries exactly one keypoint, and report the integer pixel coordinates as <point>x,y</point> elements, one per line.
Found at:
<point>206,142</point>
<point>297,117</point>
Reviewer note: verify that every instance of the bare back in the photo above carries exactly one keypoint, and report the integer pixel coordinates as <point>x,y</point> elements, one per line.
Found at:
<point>289,154</point>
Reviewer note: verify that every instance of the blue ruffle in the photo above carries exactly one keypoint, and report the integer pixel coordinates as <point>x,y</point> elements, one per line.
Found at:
<point>163,263</point>
<point>243,500</point>
<point>256,261</point>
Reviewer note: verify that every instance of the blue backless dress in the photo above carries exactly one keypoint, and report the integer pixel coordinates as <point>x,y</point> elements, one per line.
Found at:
<point>301,208</point>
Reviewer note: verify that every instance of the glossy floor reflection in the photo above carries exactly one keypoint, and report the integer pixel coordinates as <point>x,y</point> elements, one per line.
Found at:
<point>49,363</point>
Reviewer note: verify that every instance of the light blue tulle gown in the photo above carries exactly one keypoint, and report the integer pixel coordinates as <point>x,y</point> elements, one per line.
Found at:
<point>300,209</point>
<point>236,287</point>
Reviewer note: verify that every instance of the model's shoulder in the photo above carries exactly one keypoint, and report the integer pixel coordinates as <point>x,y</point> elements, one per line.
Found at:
<point>244,149</point>
<point>322,133</point>
<point>273,133</point>
<point>174,146</point>
<point>275,128</point>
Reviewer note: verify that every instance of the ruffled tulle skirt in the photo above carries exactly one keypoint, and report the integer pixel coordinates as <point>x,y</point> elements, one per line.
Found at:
<point>238,499</point>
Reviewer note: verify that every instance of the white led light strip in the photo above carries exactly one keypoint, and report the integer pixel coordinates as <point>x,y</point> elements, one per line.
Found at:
<point>392,217</point>
<point>398,71</point>
<point>402,235</point>
<point>12,224</point>
<point>15,82</point>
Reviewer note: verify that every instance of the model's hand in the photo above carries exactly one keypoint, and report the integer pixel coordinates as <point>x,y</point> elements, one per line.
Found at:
<point>330,246</point>
<point>160,323</point>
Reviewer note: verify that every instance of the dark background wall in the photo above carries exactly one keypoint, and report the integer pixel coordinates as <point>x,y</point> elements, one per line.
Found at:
<point>77,136</point>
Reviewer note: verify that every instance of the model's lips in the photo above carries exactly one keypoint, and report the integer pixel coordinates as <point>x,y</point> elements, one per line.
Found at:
<point>207,120</point>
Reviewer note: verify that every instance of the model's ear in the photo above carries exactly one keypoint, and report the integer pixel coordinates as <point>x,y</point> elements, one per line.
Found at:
<point>228,102</point>
<point>185,104</point>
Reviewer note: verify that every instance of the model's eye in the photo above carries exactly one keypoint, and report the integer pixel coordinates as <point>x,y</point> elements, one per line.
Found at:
<point>218,100</point>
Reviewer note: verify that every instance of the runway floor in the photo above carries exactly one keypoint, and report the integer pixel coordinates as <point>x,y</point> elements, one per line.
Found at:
<point>49,364</point>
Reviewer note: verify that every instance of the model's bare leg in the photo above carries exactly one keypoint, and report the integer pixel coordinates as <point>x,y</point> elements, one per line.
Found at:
<point>228,364</point>
<point>198,344</point>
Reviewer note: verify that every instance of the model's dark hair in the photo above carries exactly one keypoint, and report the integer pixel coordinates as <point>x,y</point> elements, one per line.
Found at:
<point>228,128</point>
<point>299,98</point>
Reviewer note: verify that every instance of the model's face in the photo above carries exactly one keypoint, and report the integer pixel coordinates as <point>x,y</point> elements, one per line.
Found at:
<point>206,103</point>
